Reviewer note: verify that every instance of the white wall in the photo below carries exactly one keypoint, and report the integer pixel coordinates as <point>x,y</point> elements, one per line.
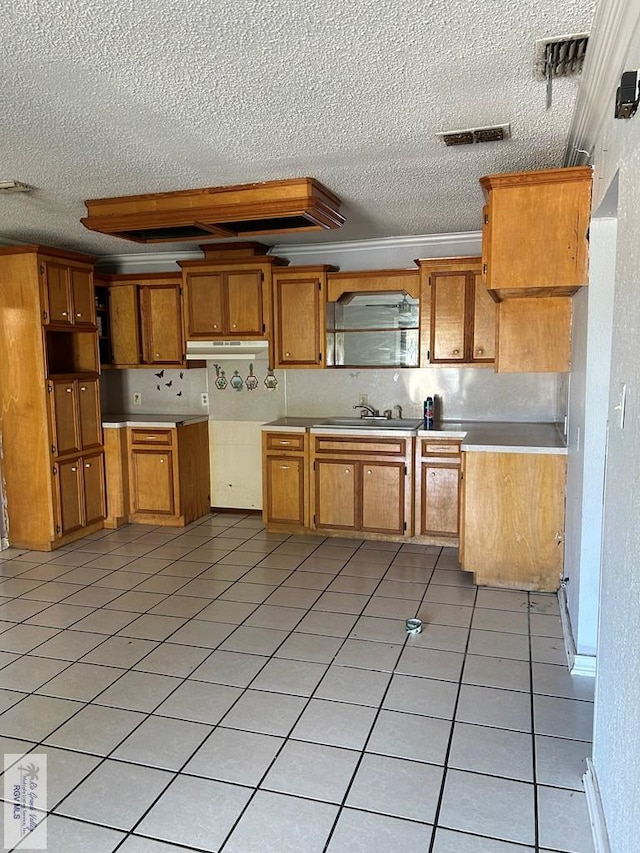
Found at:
<point>586,436</point>
<point>617,700</point>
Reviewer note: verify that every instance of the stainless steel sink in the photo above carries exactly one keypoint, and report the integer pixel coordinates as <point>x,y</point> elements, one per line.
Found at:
<point>372,423</point>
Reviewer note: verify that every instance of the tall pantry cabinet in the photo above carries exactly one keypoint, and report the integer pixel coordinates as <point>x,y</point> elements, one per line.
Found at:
<point>50,426</point>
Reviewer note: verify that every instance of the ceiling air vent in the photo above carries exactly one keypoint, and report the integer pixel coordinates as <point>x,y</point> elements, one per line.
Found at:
<point>271,207</point>
<point>475,134</point>
<point>562,56</point>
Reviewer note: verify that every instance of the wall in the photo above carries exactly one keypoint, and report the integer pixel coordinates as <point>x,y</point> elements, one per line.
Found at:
<point>586,438</point>
<point>617,701</point>
<point>172,391</point>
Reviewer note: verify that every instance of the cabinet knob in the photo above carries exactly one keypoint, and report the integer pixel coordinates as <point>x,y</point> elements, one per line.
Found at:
<point>87,464</point>
<point>369,471</point>
<point>83,388</point>
<point>215,325</point>
<point>456,352</point>
<point>64,313</point>
<point>347,470</point>
<point>157,355</point>
<point>74,469</point>
<point>288,354</point>
<point>162,461</point>
<point>480,351</point>
<point>68,390</point>
<point>78,314</point>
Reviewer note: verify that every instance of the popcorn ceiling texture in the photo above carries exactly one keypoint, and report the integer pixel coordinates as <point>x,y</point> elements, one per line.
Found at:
<point>114,98</point>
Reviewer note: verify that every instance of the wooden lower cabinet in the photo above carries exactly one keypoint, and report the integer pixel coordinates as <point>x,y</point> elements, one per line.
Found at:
<point>79,499</point>
<point>157,475</point>
<point>362,484</point>
<point>513,519</point>
<point>152,483</point>
<point>437,489</point>
<point>285,481</point>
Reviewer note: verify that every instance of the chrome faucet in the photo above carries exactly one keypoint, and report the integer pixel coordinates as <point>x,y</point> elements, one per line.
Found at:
<point>373,413</point>
<point>397,411</point>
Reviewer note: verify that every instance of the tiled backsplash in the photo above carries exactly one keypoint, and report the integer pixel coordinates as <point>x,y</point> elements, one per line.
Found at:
<point>462,393</point>
<point>163,391</point>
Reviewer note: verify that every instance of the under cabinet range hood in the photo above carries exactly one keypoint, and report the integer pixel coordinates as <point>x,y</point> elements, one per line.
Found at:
<point>230,350</point>
<point>271,207</point>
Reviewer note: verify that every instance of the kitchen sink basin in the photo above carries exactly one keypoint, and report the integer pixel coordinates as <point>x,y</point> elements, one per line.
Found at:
<point>372,423</point>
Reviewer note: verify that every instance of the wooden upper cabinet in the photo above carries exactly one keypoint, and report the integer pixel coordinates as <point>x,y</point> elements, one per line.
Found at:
<point>124,324</point>
<point>299,316</point>
<point>161,324</point>
<point>82,297</point>
<point>67,294</point>
<point>535,232</point>
<point>204,304</point>
<point>145,320</point>
<point>227,294</point>
<point>457,316</point>
<point>227,303</point>
<point>448,316</point>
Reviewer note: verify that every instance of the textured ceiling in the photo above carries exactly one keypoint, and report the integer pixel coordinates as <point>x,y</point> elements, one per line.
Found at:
<point>116,97</point>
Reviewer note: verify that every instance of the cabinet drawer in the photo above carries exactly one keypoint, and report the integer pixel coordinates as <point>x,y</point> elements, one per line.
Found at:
<point>285,441</point>
<point>361,445</point>
<point>155,437</point>
<point>439,448</point>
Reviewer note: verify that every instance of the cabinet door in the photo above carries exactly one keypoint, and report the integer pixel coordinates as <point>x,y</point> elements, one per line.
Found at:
<point>58,292</point>
<point>285,490</point>
<point>335,494</point>
<point>204,304</point>
<point>244,296</point>
<point>484,322</point>
<point>88,396</point>
<point>382,486</point>
<point>64,417</point>
<point>298,328</point>
<point>448,296</point>
<point>94,488</point>
<point>440,503</point>
<point>83,299</point>
<point>124,324</point>
<point>161,324</point>
<point>152,481</point>
<point>69,511</point>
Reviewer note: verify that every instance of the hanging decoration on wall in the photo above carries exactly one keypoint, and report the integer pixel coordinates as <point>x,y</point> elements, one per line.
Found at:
<point>221,380</point>
<point>236,381</point>
<point>270,380</point>
<point>161,374</point>
<point>251,381</point>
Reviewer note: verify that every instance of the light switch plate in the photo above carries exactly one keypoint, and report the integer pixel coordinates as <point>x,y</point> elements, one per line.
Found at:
<point>137,398</point>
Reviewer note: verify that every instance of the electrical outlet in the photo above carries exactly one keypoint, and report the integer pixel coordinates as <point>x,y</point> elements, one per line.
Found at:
<point>204,398</point>
<point>137,398</point>
<point>363,400</point>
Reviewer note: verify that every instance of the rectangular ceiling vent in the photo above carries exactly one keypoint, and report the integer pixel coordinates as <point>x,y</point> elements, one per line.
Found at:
<point>271,207</point>
<point>495,133</point>
<point>562,56</point>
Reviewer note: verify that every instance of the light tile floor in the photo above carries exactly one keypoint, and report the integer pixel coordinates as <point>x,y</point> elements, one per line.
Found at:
<point>219,688</point>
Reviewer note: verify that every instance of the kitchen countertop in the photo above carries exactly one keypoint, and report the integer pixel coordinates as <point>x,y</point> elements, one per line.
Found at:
<point>115,421</point>
<point>476,436</point>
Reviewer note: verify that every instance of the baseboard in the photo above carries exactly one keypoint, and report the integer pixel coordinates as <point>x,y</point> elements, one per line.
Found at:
<point>596,812</point>
<point>584,665</point>
<point>578,664</point>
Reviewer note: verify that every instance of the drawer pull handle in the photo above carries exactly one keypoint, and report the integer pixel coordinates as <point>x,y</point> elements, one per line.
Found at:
<point>284,467</point>
<point>284,442</point>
